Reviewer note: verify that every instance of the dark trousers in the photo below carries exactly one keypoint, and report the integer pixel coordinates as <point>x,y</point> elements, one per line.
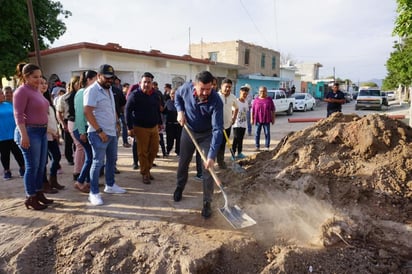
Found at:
<point>221,152</point>
<point>68,146</point>
<point>238,134</point>
<point>173,133</point>
<point>6,147</point>
<point>135,153</point>
<point>162,144</point>
<point>187,148</point>
<point>53,151</point>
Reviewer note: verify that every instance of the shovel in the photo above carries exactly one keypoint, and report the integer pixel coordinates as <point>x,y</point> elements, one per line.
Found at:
<point>233,214</point>
<point>235,166</point>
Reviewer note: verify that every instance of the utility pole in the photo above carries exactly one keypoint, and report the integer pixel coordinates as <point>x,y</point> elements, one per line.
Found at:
<point>34,31</point>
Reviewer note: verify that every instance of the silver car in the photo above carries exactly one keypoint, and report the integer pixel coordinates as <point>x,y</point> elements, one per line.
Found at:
<point>304,101</point>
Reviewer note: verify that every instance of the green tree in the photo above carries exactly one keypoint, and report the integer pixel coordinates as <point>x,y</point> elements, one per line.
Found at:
<point>15,31</point>
<point>403,23</point>
<point>399,64</point>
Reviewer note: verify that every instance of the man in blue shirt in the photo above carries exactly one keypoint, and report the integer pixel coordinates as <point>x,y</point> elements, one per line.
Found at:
<point>200,108</point>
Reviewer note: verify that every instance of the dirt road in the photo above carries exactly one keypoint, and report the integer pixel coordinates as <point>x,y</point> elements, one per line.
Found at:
<point>311,212</point>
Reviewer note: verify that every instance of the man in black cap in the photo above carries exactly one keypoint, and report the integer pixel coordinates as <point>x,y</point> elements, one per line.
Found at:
<point>100,112</point>
<point>143,119</point>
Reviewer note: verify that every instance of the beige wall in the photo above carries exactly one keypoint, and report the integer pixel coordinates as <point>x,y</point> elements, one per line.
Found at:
<point>233,52</point>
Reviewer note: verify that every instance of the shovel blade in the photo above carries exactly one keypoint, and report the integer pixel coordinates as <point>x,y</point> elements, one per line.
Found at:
<point>236,217</point>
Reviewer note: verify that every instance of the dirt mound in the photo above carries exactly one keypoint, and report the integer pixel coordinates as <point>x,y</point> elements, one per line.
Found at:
<point>333,197</point>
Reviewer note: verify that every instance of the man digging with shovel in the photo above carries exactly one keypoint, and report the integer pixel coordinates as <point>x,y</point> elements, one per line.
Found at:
<point>201,110</point>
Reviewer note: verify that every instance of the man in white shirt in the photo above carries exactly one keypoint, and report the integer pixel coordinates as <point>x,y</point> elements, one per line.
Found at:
<point>230,110</point>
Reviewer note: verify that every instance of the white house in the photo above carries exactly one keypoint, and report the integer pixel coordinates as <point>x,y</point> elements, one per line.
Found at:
<point>129,64</point>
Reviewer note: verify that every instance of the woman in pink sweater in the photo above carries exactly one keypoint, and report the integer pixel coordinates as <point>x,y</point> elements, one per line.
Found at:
<point>30,113</point>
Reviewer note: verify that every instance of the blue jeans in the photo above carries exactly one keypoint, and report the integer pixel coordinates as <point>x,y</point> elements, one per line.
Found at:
<point>34,158</point>
<point>55,156</point>
<point>84,175</point>
<point>266,130</point>
<point>100,151</point>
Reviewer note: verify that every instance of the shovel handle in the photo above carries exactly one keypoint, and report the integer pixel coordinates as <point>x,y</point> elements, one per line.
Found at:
<point>211,169</point>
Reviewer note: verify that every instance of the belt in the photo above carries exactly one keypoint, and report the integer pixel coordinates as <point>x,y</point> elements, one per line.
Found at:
<point>36,125</point>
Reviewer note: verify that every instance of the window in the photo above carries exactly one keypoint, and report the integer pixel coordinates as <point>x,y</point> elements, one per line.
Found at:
<point>213,56</point>
<point>247,55</point>
<point>274,62</point>
<point>262,61</point>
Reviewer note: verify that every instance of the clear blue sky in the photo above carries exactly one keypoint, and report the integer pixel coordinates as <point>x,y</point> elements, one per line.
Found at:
<point>352,36</point>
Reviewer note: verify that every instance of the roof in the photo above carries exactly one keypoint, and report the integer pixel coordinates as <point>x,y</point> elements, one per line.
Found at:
<point>113,47</point>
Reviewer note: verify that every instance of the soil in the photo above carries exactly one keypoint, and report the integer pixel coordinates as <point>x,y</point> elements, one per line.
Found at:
<point>332,198</point>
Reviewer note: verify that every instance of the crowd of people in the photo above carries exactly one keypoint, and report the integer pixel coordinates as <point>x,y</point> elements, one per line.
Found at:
<point>89,115</point>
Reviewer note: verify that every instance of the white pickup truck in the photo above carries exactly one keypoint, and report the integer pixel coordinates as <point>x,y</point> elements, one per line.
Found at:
<point>281,101</point>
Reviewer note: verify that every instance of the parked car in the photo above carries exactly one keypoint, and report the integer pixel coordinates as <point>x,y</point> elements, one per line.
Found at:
<point>391,95</point>
<point>369,98</point>
<point>304,101</point>
<point>281,101</point>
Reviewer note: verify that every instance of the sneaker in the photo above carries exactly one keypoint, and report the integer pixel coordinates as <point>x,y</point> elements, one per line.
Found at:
<point>21,172</point>
<point>241,156</point>
<point>257,149</point>
<point>135,166</point>
<point>114,189</point>
<point>231,158</point>
<point>199,178</point>
<point>177,196</point>
<point>267,149</point>
<point>207,210</point>
<point>127,145</point>
<point>95,199</point>
<point>7,175</point>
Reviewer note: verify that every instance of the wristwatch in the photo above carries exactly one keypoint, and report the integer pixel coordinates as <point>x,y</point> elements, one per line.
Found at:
<point>99,130</point>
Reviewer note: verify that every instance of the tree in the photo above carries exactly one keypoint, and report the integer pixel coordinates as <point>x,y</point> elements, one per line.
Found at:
<point>399,64</point>
<point>403,23</point>
<point>15,31</point>
<point>369,84</point>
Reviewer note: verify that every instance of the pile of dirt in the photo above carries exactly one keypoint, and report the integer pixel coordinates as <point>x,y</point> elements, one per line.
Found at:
<point>334,198</point>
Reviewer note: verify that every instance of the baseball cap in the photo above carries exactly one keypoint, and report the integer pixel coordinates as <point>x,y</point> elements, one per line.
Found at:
<point>107,71</point>
<point>245,88</point>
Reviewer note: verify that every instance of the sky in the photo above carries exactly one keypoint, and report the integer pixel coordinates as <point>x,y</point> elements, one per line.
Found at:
<point>350,38</point>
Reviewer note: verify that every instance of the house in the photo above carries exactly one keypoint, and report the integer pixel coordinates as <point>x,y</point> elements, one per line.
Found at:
<point>258,65</point>
<point>129,64</point>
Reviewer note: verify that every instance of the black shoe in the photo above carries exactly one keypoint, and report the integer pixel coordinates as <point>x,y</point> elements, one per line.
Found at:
<point>177,196</point>
<point>222,165</point>
<point>135,166</point>
<point>207,210</point>
<point>116,171</point>
<point>75,176</point>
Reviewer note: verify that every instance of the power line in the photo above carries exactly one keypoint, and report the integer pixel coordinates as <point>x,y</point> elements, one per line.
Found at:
<point>254,24</point>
